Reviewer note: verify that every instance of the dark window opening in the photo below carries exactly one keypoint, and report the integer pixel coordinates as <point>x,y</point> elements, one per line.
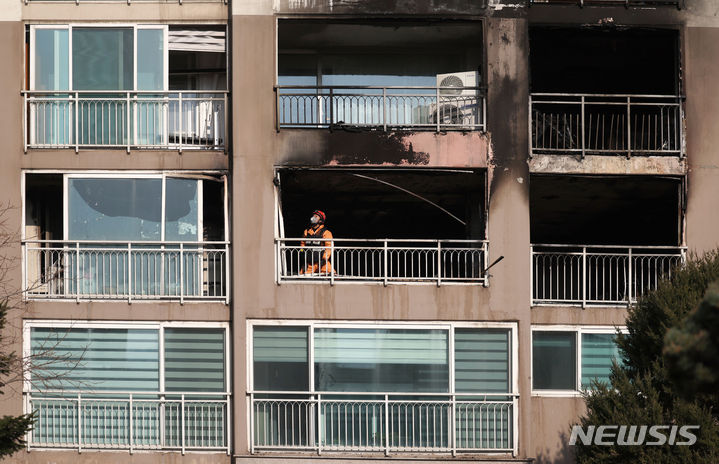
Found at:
<point>606,210</point>
<point>605,61</point>
<point>362,208</point>
<point>197,58</point>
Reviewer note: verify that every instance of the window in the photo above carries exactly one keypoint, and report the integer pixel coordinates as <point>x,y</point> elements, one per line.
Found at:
<point>98,58</point>
<point>126,235</point>
<point>124,385</point>
<point>374,387</point>
<point>570,359</point>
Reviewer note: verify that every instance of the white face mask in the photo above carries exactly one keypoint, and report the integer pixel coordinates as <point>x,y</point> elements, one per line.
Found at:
<point>314,219</point>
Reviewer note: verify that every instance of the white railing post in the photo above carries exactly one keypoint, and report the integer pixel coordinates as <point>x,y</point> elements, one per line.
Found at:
<point>182,423</point>
<point>532,295</point>
<point>228,423</point>
<point>630,283</point>
<point>453,425</point>
<point>584,277</point>
<point>629,127</point>
<point>332,262</point>
<point>181,116</point>
<point>584,146</point>
<point>319,424</point>
<point>437,111</point>
<point>228,284</point>
<point>77,272</point>
<point>182,275</point>
<point>79,423</point>
<point>386,425</point>
<point>25,133</point>
<point>77,122</point>
<point>129,272</point>
<point>439,263</point>
<point>128,135</point>
<point>132,425</point>
<point>384,108</point>
<point>515,421</point>
<point>530,126</point>
<point>253,419</point>
<point>385,259</point>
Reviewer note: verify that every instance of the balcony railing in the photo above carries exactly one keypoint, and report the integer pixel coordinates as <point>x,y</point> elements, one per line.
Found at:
<point>599,275</point>
<point>385,261</point>
<point>57,269</point>
<point>433,108</point>
<point>130,420</point>
<point>144,120</point>
<point>384,422</point>
<point>581,124</point>
<point>626,3</point>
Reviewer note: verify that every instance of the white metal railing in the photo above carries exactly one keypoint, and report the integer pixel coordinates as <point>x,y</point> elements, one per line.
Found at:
<point>627,3</point>
<point>384,422</point>
<point>129,420</point>
<point>438,108</point>
<point>383,261</point>
<point>567,123</point>
<point>125,270</point>
<point>147,120</point>
<point>596,275</point>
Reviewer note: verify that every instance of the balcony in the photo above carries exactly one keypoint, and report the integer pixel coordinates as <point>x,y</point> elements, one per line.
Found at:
<point>585,275</point>
<point>144,120</point>
<point>121,420</point>
<point>383,423</point>
<point>387,108</point>
<point>438,262</point>
<point>380,74</point>
<point>126,236</point>
<point>181,271</point>
<point>581,124</point>
<point>606,92</point>
<point>625,3</point>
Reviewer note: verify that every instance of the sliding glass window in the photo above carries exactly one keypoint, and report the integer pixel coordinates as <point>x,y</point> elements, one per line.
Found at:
<point>122,385</point>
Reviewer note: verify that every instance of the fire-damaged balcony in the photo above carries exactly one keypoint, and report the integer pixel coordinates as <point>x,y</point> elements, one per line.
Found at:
<point>387,227</point>
<point>380,74</point>
<point>605,92</point>
<point>125,237</point>
<point>625,3</point>
<point>131,87</point>
<point>603,241</point>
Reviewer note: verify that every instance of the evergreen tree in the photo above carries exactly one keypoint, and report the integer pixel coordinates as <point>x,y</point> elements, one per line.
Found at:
<point>641,391</point>
<point>12,428</point>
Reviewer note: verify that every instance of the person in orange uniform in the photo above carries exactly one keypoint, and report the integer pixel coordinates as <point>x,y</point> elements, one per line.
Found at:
<point>317,254</point>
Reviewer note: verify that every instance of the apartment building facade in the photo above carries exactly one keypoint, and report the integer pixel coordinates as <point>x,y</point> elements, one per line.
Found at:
<point>501,180</point>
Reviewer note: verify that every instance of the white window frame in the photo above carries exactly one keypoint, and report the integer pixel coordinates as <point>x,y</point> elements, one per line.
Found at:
<point>578,331</point>
<point>160,326</point>
<point>436,325</point>
<point>135,27</point>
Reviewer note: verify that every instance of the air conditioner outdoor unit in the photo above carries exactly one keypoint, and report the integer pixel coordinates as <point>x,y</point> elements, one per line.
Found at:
<point>458,106</point>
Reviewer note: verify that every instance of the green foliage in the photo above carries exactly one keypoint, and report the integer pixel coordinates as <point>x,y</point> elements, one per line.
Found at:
<point>641,391</point>
<point>12,428</point>
<point>691,350</point>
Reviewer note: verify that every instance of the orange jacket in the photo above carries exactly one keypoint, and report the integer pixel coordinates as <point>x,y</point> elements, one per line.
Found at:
<point>318,232</point>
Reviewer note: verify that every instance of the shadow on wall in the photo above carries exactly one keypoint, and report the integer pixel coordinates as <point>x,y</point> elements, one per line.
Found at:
<point>564,454</point>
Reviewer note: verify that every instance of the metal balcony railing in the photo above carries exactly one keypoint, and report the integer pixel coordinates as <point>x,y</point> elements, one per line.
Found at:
<point>626,3</point>
<point>131,421</point>
<point>384,422</point>
<point>383,261</point>
<point>589,275</point>
<point>59,269</point>
<point>581,124</point>
<point>434,108</point>
<point>144,120</point>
